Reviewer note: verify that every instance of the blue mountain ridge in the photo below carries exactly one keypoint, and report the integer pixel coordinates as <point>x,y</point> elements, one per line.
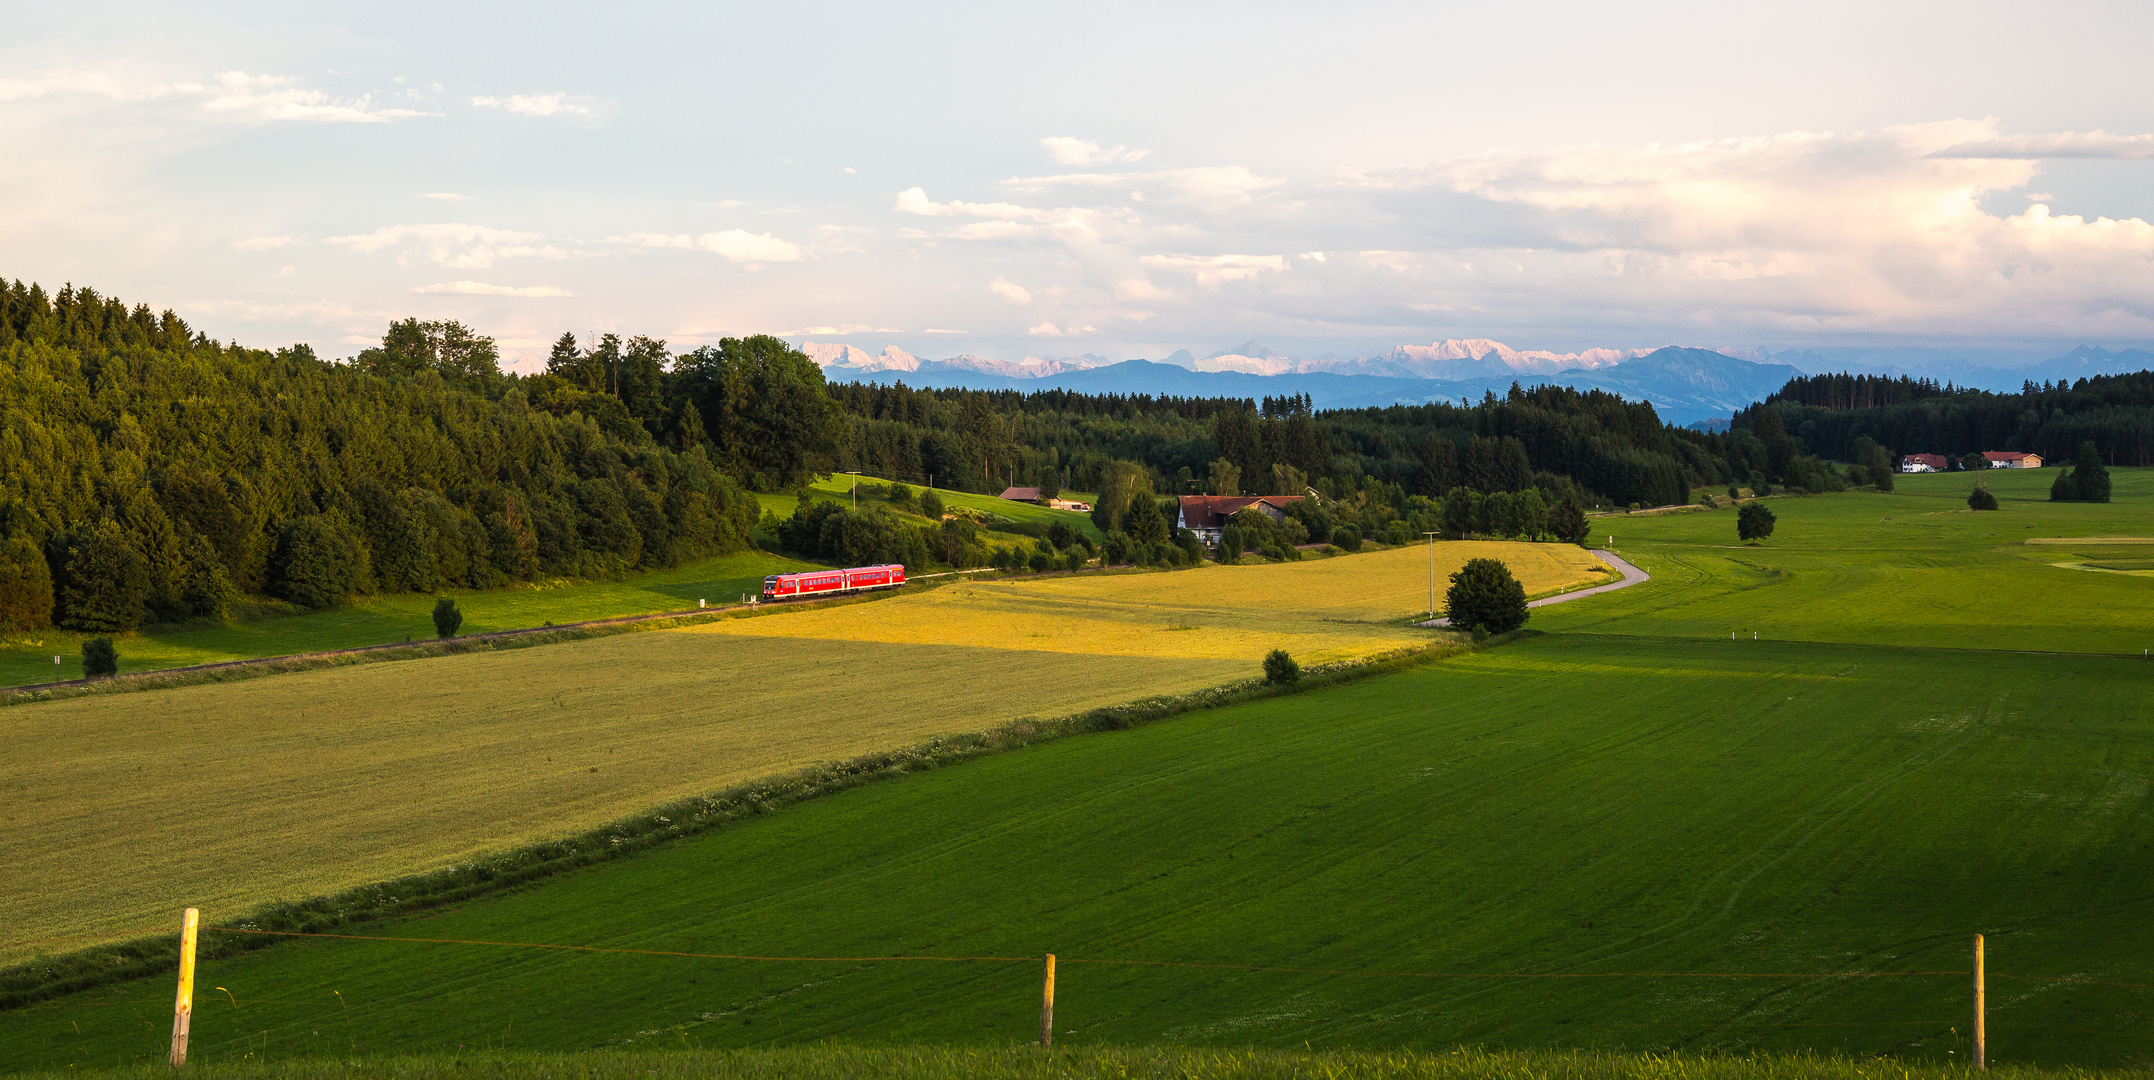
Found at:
<point>1684,385</point>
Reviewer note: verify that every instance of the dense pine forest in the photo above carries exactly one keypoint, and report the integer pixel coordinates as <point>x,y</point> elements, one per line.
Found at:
<point>154,475</point>
<point>1830,412</point>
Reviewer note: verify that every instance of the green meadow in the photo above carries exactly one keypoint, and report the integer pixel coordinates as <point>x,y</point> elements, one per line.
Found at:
<point>1914,568</point>
<point>1628,833</point>
<point>1581,805</point>
<point>280,630</point>
<point>868,491</point>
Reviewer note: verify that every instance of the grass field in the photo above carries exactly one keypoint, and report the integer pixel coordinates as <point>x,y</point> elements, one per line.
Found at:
<point>839,1062</point>
<point>870,493</point>
<point>1576,804</point>
<point>1911,568</point>
<point>1320,610</point>
<point>116,810</point>
<point>376,620</point>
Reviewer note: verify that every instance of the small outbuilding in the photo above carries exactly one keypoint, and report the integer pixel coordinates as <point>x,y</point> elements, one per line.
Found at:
<point>2009,460</point>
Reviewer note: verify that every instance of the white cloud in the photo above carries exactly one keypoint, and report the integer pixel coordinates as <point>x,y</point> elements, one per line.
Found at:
<point>464,247</point>
<point>915,201</point>
<point>991,230</point>
<point>841,330</point>
<point>446,196</point>
<point>480,288</point>
<point>538,104</point>
<point>265,243</point>
<point>2067,144</point>
<point>737,245</point>
<point>1074,151</point>
<point>1009,290</point>
<point>1214,185</point>
<point>1210,270</point>
<point>1046,329</point>
<point>279,97</point>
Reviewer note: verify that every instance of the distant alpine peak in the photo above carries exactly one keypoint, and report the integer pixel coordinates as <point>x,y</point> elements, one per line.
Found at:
<point>853,360</point>
<point>1515,359</point>
<point>833,354</point>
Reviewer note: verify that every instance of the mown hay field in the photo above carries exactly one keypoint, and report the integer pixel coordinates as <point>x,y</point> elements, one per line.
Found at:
<point>1320,610</point>
<point>117,811</point>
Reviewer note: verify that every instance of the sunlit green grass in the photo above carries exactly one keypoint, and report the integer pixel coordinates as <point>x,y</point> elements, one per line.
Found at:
<point>869,492</point>
<point>376,620</point>
<point>1580,804</point>
<point>1913,568</point>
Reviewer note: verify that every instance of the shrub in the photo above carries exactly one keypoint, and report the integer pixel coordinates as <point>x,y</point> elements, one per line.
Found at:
<point>931,504</point>
<point>899,495</point>
<point>1116,550</point>
<point>1980,498</point>
<point>446,618</point>
<point>1280,669</point>
<point>1753,522</point>
<point>1061,535</point>
<point>1041,561</point>
<point>1484,595</point>
<point>99,657</point>
<point>1346,538</point>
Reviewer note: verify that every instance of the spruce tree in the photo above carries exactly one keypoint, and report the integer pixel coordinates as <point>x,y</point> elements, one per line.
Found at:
<point>2090,475</point>
<point>25,586</point>
<point>105,582</point>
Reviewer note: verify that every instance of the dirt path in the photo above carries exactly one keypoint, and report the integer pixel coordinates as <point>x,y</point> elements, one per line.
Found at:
<point>1631,576</point>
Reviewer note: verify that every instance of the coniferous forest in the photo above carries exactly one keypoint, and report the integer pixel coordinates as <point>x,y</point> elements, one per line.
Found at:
<point>155,475</point>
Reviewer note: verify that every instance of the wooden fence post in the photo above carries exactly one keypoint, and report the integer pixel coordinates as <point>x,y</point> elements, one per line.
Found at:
<point>1981,1051</point>
<point>1047,1006</point>
<point>183,1005</point>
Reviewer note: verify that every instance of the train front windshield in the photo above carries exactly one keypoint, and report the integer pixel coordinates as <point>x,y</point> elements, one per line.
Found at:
<point>770,585</point>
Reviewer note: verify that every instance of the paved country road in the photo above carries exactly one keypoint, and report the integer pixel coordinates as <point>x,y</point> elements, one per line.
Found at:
<point>1631,576</point>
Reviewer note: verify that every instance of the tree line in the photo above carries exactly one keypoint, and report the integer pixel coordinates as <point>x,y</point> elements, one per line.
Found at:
<point>1828,413</point>
<point>155,475</point>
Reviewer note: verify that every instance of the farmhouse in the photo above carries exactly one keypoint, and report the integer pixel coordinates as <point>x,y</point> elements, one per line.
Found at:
<point>1207,515</point>
<point>2012,460</point>
<point>1919,463</point>
<point>1032,495</point>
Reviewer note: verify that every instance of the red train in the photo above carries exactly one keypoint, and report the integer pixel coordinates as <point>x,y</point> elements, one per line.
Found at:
<point>833,582</point>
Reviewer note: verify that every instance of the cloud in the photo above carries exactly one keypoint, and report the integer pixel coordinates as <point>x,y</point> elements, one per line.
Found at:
<point>1048,329</point>
<point>1222,185</point>
<point>265,243</point>
<point>1211,270</point>
<point>991,230</point>
<point>480,288</point>
<point>737,245</point>
<point>915,201</point>
<point>841,330</point>
<point>538,104</point>
<point>1009,290</point>
<point>279,97</point>
<point>446,196</point>
<point>1073,151</point>
<point>2067,144</point>
<point>464,247</point>
<point>728,204</point>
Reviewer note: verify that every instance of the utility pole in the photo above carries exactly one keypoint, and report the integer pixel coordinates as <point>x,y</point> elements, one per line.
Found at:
<point>1432,573</point>
<point>855,474</point>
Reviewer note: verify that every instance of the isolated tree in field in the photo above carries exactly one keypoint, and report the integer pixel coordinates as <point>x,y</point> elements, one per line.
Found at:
<point>99,657</point>
<point>446,618</point>
<point>1980,498</point>
<point>1754,522</point>
<point>1280,669</point>
<point>1484,596</point>
<point>2090,475</point>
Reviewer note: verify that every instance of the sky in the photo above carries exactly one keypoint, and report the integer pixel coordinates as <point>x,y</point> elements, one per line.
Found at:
<point>1117,179</point>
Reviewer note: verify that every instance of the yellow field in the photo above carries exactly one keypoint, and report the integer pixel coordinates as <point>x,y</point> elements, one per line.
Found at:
<point>117,811</point>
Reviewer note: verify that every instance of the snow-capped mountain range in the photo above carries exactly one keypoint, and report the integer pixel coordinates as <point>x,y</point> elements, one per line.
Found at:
<point>1454,358</point>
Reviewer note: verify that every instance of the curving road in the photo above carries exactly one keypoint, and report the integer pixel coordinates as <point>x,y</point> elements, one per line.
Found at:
<point>1631,576</point>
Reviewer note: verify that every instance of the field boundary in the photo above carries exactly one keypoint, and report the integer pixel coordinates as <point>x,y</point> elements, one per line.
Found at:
<point>123,961</point>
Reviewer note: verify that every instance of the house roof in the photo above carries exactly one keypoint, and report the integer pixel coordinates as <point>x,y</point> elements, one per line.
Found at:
<point>1995,455</point>
<point>1212,511</point>
<point>1018,494</point>
<point>1933,460</point>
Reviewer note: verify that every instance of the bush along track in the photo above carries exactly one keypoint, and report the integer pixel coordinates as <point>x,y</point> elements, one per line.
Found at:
<point>50,977</point>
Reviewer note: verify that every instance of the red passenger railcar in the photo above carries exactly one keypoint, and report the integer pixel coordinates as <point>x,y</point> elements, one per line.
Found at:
<point>833,582</point>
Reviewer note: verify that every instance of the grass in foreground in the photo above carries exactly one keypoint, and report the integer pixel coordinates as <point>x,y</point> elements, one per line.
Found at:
<point>838,1062</point>
<point>1583,805</point>
<point>1913,568</point>
<point>27,658</point>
